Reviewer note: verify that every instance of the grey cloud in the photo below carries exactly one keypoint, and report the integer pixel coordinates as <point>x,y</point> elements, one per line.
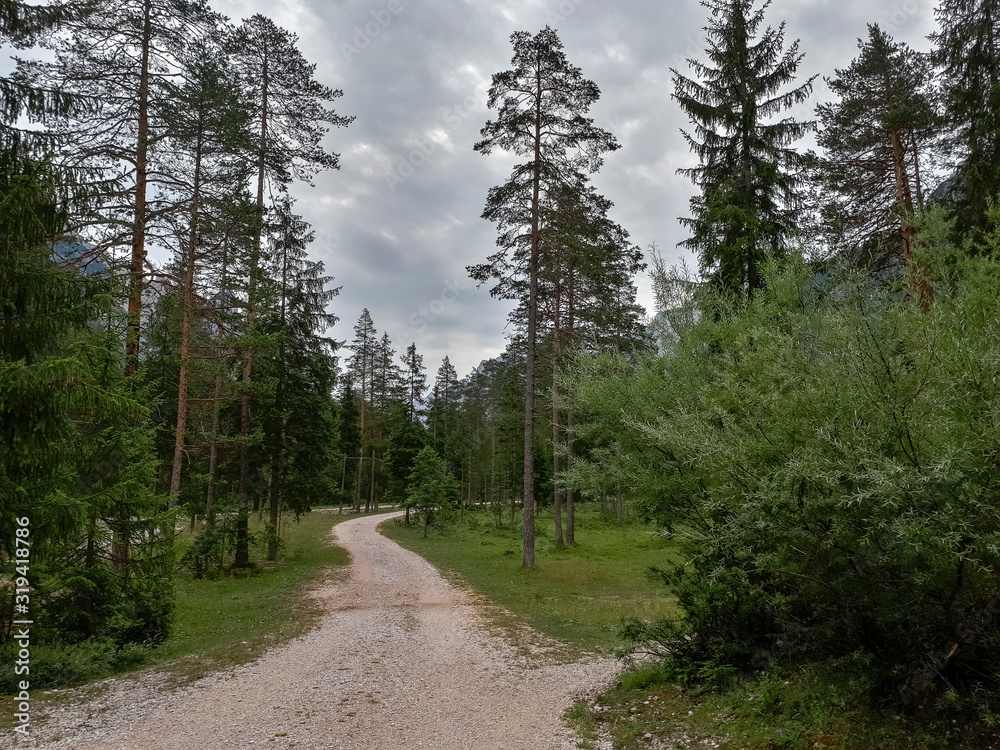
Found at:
<point>419,84</point>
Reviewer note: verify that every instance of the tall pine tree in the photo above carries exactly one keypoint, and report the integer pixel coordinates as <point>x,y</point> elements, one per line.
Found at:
<point>541,104</point>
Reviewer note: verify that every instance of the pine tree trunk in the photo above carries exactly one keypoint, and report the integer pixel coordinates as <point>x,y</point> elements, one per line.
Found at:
<point>120,543</point>
<point>274,500</point>
<point>213,451</point>
<point>920,289</point>
<point>274,505</point>
<point>243,519</point>
<point>557,495</point>
<point>357,482</point>
<point>528,558</point>
<point>187,302</point>
<point>571,333</point>
<point>371,487</point>
<point>139,212</point>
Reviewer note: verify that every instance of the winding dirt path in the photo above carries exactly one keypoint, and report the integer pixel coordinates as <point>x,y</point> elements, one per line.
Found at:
<point>402,660</point>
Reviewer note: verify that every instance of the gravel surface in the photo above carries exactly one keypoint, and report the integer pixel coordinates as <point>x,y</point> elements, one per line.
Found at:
<point>401,660</point>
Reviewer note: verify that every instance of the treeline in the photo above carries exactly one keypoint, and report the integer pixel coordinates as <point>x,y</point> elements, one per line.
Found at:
<point>134,395</point>
<point>207,392</point>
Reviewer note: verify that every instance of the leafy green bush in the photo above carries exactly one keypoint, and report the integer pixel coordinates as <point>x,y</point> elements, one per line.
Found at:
<point>57,664</point>
<point>431,489</point>
<point>829,454</point>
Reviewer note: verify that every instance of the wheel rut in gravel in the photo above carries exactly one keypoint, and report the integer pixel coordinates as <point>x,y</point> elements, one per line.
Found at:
<point>402,659</point>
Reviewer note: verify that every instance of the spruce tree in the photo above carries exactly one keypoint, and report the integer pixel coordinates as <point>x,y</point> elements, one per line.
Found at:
<point>967,48</point>
<point>415,379</point>
<point>299,427</point>
<point>289,118</point>
<point>76,453</point>
<point>360,368</point>
<point>443,403</point>
<point>21,26</point>
<point>747,173</point>
<point>431,489</point>
<point>350,438</point>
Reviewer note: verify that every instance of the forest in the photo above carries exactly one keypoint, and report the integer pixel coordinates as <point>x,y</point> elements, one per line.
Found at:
<point>809,413</point>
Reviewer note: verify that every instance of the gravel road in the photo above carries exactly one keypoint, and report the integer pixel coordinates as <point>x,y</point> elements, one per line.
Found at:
<point>402,660</point>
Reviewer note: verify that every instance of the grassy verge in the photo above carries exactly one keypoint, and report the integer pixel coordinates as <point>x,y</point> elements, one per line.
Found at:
<point>804,708</point>
<point>229,621</point>
<point>219,622</point>
<point>577,595</point>
<point>224,622</point>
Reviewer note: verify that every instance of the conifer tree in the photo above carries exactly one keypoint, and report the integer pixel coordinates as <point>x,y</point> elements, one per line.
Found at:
<point>299,429</point>
<point>360,368</point>
<point>350,437</point>
<point>747,173</point>
<point>387,378</point>
<point>444,401</point>
<point>21,26</point>
<point>120,59</point>
<point>75,450</point>
<point>589,266</point>
<point>877,136</point>
<point>361,363</point>
<point>289,118</point>
<point>432,489</point>
<point>414,377</point>
<point>208,132</point>
<point>967,48</point>
<point>541,105</point>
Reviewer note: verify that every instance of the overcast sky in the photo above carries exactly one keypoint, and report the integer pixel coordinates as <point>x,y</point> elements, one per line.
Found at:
<point>400,221</point>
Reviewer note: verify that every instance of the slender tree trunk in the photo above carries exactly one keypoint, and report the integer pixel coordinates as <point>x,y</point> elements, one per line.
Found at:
<point>213,450</point>
<point>571,333</point>
<point>120,543</point>
<point>274,504</point>
<point>918,189</point>
<point>920,289</point>
<point>139,212</point>
<point>242,522</point>
<point>90,560</point>
<point>187,302</point>
<point>371,487</point>
<point>357,481</point>
<point>557,495</point>
<point>278,437</point>
<point>528,559</point>
<point>343,479</point>
<point>121,538</point>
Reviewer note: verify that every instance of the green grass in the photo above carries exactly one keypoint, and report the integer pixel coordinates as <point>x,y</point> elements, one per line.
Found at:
<point>577,595</point>
<point>812,706</point>
<point>229,621</point>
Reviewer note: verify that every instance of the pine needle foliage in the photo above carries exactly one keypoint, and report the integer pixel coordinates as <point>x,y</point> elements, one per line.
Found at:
<point>748,174</point>
<point>967,48</point>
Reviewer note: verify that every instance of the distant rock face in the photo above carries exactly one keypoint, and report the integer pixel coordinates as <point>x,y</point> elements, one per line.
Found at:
<point>80,255</point>
<point>947,190</point>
